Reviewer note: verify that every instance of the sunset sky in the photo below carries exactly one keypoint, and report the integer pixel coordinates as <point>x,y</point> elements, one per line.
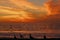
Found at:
<point>26,10</point>
<point>30,15</point>
<point>22,10</point>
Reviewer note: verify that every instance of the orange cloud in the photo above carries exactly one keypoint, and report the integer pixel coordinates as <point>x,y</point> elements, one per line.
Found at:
<point>53,6</point>
<point>27,11</point>
<point>24,4</point>
<point>6,12</point>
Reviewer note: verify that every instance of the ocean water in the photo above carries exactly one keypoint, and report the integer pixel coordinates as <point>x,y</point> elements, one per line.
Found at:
<point>37,30</point>
<point>26,35</point>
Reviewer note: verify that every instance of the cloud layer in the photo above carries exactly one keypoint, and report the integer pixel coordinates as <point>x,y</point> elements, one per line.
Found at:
<point>53,6</point>
<point>23,11</point>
